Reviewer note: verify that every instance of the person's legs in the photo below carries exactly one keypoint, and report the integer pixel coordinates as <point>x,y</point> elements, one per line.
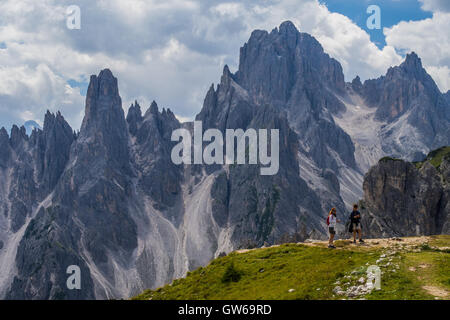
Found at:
<point>354,232</point>
<point>360,234</point>
<point>332,233</point>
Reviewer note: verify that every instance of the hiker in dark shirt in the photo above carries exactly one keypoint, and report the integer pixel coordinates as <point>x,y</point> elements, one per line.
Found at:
<point>355,220</point>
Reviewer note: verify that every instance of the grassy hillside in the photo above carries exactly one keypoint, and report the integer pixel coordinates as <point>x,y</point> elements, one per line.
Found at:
<point>412,268</point>
<point>435,157</point>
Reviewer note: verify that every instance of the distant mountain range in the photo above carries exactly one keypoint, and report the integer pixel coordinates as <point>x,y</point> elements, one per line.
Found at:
<point>110,200</point>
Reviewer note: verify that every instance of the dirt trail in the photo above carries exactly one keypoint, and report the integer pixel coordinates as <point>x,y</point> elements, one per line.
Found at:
<point>408,242</point>
<point>377,243</point>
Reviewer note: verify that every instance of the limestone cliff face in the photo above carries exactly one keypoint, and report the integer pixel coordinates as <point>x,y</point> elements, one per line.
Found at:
<point>402,200</point>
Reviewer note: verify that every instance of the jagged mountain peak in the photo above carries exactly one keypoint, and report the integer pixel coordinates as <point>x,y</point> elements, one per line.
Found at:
<point>4,147</point>
<point>226,71</point>
<point>102,96</point>
<point>134,117</point>
<point>153,109</point>
<point>135,108</point>
<point>274,66</point>
<point>52,118</point>
<point>3,133</point>
<point>288,27</point>
<point>107,75</point>
<point>395,93</point>
<point>227,77</point>
<point>411,67</point>
<point>18,135</point>
<point>104,125</point>
<point>356,84</point>
<point>412,60</point>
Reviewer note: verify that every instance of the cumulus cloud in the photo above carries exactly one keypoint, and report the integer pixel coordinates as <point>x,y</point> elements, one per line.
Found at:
<point>436,5</point>
<point>164,50</point>
<point>26,93</point>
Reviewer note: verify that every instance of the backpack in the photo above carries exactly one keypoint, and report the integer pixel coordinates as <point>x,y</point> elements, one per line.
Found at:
<point>328,220</point>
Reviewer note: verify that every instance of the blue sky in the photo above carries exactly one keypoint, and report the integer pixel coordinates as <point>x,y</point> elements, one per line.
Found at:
<point>392,12</point>
<point>172,51</point>
<point>82,85</point>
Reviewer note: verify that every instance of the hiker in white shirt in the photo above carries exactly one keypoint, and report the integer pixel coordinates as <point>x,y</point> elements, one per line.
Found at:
<point>331,221</point>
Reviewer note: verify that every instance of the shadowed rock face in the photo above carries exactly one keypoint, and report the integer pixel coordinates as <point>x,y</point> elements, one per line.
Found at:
<point>160,179</point>
<point>261,208</point>
<point>53,152</point>
<point>401,200</point>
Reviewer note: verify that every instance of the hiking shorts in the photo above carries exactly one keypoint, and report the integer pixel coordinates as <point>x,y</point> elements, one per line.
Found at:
<point>356,226</point>
<point>331,230</point>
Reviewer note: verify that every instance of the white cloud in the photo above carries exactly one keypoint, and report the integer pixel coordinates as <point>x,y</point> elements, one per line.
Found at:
<point>169,51</point>
<point>26,93</point>
<point>436,5</point>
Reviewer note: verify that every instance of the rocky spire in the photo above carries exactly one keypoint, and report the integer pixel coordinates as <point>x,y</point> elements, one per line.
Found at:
<point>153,108</point>
<point>102,97</point>
<point>357,85</point>
<point>412,63</point>
<point>53,149</point>
<point>18,135</point>
<point>4,147</point>
<point>104,123</point>
<point>4,137</point>
<point>134,117</point>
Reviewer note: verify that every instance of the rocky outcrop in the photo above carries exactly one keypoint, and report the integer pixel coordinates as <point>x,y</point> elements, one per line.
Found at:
<point>403,200</point>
